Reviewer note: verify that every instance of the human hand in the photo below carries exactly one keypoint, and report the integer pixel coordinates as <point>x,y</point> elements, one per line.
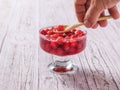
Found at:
<point>88,11</point>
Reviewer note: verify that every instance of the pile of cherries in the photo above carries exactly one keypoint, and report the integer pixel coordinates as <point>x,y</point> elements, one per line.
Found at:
<point>62,44</point>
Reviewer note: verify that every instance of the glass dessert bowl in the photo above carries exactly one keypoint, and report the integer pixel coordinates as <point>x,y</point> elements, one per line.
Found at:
<point>62,46</point>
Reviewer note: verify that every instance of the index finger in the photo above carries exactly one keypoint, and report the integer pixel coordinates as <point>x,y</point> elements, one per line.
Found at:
<point>80,9</point>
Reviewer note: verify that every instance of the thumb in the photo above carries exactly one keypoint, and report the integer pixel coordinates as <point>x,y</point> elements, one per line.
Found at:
<point>92,15</point>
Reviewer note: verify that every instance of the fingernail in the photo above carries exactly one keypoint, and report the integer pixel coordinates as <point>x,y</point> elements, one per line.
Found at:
<point>87,23</point>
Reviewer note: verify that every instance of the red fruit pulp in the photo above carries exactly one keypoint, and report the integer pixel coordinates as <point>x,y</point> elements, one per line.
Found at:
<point>62,69</point>
<point>64,44</point>
<point>60,27</point>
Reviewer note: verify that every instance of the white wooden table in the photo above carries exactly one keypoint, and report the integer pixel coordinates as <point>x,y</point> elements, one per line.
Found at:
<point>23,65</point>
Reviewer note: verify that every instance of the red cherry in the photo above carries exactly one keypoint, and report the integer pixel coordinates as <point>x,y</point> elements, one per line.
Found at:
<point>64,35</point>
<point>69,33</point>
<point>54,45</point>
<point>67,46</point>
<point>73,36</point>
<point>60,52</point>
<point>73,31</point>
<point>46,30</point>
<point>47,47</point>
<point>43,32</point>
<point>77,32</point>
<point>54,36</point>
<point>50,32</point>
<point>74,43</point>
<point>80,35</point>
<point>60,27</point>
<point>67,37</point>
<point>60,40</point>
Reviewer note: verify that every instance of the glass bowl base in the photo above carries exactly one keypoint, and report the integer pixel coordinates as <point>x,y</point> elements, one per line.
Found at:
<point>68,69</point>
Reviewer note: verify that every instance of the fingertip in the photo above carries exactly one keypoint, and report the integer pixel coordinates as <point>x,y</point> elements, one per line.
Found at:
<point>103,23</point>
<point>114,12</point>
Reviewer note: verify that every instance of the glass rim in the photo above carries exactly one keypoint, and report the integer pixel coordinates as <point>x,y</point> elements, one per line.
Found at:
<point>43,36</point>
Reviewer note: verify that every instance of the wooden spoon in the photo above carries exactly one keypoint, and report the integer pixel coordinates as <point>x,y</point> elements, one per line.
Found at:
<point>68,28</point>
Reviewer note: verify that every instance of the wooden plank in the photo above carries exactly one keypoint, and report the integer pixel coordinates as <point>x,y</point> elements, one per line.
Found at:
<point>19,45</point>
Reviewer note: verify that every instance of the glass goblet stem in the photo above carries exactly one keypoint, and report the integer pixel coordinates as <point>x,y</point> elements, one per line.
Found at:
<point>62,65</point>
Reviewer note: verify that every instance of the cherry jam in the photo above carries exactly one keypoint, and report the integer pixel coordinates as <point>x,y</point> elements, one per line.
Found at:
<point>62,44</point>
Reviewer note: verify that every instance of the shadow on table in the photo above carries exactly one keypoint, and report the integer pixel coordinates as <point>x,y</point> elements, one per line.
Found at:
<point>88,80</point>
